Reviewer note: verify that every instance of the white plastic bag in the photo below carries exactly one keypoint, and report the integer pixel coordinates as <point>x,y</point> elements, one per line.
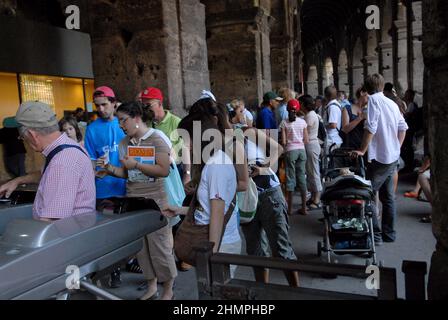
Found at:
<point>247,202</point>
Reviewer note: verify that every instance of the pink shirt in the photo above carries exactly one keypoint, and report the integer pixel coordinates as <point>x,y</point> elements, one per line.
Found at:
<point>67,188</point>
<point>294,133</point>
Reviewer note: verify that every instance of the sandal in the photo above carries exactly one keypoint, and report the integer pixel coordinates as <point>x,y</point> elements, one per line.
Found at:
<point>314,206</point>
<point>411,194</point>
<point>302,212</point>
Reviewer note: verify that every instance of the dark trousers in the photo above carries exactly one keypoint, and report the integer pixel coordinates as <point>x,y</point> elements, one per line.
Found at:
<point>381,176</point>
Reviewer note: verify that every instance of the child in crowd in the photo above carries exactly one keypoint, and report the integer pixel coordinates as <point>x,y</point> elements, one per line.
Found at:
<point>69,125</point>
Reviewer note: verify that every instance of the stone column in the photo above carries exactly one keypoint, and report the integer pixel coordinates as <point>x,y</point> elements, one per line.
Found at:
<point>343,72</point>
<point>298,76</point>
<point>371,58</point>
<point>387,53</point>
<point>312,84</point>
<point>372,64</point>
<point>386,46</point>
<point>283,43</point>
<point>238,49</point>
<point>151,43</point>
<point>417,65</point>
<point>402,54</point>
<point>435,53</point>
<point>357,63</point>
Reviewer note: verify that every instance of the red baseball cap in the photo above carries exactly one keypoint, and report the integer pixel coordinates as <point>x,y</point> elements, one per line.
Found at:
<point>152,93</point>
<point>104,92</point>
<point>293,105</point>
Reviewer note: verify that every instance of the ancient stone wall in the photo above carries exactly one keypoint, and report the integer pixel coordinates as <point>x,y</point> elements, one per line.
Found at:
<point>435,52</point>
<point>283,39</point>
<point>153,43</point>
<point>238,49</point>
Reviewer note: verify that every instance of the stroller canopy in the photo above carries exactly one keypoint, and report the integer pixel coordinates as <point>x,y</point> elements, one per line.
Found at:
<point>348,187</point>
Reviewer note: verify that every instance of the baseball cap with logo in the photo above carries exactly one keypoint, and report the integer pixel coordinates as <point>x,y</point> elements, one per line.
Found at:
<point>103,92</point>
<point>152,93</point>
<point>35,114</point>
<point>268,96</point>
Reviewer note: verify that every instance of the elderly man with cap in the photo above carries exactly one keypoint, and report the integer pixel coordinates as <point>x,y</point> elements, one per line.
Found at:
<point>266,117</point>
<point>166,122</point>
<point>66,183</point>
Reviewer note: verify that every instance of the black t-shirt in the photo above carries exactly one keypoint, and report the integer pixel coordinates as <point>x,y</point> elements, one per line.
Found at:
<point>9,137</point>
<point>353,139</point>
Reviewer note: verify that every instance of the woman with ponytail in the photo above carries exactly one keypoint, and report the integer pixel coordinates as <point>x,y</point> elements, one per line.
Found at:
<point>145,182</point>
<point>294,138</point>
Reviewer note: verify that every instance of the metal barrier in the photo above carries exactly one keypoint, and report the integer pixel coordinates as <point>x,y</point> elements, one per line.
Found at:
<point>214,282</point>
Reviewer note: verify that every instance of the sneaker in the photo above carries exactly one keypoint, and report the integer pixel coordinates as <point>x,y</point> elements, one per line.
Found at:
<point>411,194</point>
<point>133,266</point>
<point>378,242</point>
<point>115,279</point>
<point>387,239</point>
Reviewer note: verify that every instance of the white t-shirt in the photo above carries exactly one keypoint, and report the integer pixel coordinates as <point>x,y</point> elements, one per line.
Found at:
<point>334,116</point>
<point>248,115</point>
<point>384,120</point>
<point>312,121</point>
<point>218,181</point>
<point>254,154</point>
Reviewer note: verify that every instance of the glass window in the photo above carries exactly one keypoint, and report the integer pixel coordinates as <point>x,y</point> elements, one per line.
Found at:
<point>65,95</point>
<point>9,95</point>
<point>90,88</point>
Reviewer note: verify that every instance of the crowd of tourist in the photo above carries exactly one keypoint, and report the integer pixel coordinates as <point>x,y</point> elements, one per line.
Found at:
<point>96,171</point>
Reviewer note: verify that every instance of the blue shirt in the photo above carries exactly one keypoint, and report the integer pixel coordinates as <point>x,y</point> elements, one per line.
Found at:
<point>103,136</point>
<point>282,113</point>
<point>266,119</point>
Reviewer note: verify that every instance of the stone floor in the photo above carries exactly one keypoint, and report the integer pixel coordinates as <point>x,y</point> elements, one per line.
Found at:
<point>415,242</point>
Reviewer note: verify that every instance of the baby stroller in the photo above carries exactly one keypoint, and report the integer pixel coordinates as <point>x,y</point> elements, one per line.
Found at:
<point>347,207</point>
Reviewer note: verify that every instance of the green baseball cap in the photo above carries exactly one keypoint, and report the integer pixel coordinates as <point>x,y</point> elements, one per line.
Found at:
<point>10,122</point>
<point>35,114</point>
<point>268,96</point>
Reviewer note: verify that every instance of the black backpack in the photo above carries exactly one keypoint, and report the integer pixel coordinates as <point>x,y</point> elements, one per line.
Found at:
<point>321,133</point>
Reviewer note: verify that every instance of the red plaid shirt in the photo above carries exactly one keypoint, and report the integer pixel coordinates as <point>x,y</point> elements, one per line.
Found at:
<point>67,187</point>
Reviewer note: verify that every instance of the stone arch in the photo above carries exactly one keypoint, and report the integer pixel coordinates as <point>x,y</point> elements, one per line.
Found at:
<point>327,73</point>
<point>312,83</point>
<point>358,68</point>
<point>343,71</point>
<point>372,53</point>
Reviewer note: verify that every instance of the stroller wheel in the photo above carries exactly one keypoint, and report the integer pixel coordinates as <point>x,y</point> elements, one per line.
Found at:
<point>319,248</point>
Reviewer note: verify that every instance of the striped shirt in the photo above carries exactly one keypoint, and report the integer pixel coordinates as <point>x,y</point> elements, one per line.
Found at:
<point>67,187</point>
<point>294,133</point>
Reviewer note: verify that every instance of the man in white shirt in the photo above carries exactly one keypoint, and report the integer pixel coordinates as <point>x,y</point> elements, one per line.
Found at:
<point>384,133</point>
<point>333,117</point>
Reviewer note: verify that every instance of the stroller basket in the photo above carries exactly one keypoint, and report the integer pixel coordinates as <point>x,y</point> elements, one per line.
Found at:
<point>345,210</point>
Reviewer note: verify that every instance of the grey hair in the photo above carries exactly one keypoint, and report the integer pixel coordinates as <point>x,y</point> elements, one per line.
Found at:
<point>42,131</point>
